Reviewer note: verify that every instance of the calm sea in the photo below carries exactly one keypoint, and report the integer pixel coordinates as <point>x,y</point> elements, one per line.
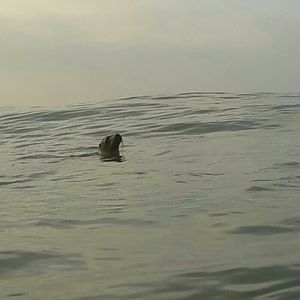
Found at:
<point>205,205</point>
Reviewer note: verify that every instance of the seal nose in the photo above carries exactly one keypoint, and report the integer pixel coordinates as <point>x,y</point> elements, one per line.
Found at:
<point>118,137</point>
<point>116,140</point>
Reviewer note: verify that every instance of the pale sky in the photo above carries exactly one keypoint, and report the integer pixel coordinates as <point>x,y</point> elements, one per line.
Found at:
<point>71,51</point>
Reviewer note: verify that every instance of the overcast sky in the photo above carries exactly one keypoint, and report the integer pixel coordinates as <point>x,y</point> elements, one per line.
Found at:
<point>71,51</point>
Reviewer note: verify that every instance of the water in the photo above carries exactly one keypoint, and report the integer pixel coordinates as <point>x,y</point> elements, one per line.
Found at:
<point>205,205</point>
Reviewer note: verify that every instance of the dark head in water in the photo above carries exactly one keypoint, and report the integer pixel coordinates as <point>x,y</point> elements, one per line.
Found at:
<point>109,147</point>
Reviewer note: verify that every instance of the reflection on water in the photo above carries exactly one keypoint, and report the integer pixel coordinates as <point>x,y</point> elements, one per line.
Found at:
<point>204,206</point>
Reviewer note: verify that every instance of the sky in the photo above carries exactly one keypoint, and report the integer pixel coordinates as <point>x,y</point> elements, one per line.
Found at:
<point>61,52</point>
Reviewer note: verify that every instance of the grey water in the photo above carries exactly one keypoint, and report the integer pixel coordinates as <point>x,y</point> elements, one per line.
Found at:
<point>205,204</point>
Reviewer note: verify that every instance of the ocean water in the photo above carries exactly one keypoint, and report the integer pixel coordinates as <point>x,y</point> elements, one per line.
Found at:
<point>204,206</point>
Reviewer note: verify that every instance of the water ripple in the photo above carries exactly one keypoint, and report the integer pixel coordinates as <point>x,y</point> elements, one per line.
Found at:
<point>206,200</point>
<point>67,223</point>
<point>271,282</point>
<point>12,261</point>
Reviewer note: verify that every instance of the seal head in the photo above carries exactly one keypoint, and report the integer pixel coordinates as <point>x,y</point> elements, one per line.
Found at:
<point>109,147</point>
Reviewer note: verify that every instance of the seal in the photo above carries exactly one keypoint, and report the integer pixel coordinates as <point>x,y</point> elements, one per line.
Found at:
<point>109,147</point>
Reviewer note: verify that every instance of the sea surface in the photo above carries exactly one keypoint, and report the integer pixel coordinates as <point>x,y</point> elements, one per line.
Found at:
<point>206,204</point>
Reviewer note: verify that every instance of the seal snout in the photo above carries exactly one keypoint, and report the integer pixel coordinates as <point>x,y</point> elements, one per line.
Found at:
<point>109,147</point>
<point>116,141</point>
